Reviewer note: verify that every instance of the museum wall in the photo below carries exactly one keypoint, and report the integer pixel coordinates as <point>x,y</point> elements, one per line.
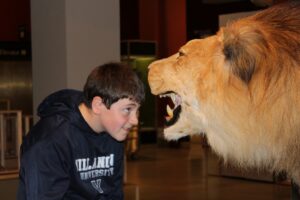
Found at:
<point>15,56</point>
<point>14,18</point>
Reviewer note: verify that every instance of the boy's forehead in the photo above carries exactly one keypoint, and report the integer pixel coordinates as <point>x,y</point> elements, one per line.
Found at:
<point>128,101</point>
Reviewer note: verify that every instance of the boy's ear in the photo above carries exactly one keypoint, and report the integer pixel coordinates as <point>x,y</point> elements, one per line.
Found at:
<point>97,104</point>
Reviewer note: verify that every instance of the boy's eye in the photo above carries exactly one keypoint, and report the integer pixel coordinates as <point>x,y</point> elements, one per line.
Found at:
<point>127,110</point>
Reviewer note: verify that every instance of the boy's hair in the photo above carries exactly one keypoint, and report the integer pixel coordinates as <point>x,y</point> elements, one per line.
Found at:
<point>111,82</point>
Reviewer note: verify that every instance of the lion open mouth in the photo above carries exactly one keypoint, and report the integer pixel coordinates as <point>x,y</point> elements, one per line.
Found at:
<point>174,110</point>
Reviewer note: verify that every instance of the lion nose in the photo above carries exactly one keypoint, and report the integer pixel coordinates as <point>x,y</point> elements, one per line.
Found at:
<point>149,66</point>
<point>154,80</point>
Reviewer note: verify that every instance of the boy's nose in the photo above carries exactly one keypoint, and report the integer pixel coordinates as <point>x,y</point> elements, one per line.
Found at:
<point>134,119</point>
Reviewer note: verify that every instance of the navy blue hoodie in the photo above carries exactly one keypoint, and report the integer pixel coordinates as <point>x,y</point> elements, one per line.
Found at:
<point>63,158</point>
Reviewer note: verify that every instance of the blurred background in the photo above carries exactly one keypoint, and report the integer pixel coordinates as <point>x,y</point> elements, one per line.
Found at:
<point>47,45</point>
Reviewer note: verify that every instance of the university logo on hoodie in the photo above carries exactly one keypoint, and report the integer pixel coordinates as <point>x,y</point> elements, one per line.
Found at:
<point>94,168</point>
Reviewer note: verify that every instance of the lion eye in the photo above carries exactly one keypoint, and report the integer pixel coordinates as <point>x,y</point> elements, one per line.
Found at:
<point>180,53</point>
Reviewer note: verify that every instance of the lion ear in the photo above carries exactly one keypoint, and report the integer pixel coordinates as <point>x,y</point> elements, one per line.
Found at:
<point>241,48</point>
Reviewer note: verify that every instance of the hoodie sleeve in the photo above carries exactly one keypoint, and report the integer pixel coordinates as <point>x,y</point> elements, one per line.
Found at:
<point>44,174</point>
<point>119,180</point>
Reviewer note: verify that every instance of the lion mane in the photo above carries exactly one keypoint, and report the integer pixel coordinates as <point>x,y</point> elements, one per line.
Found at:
<point>241,87</point>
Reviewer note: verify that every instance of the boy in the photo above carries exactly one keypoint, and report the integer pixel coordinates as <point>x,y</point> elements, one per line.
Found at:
<point>75,151</point>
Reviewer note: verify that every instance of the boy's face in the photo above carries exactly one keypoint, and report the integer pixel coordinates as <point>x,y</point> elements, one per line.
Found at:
<point>120,118</point>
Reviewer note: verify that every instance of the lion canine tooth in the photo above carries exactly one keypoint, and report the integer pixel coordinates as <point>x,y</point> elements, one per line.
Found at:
<point>169,111</point>
<point>173,98</point>
<point>168,118</point>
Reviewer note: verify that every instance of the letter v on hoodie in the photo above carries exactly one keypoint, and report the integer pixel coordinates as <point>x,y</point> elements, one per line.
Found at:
<point>63,158</point>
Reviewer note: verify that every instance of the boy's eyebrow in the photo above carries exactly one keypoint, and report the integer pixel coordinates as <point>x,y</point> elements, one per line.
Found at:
<point>134,104</point>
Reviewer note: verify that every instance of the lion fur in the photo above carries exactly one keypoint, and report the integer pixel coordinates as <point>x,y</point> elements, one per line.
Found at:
<point>241,87</point>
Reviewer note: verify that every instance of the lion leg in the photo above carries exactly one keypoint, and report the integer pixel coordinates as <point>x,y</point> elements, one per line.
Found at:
<point>295,191</point>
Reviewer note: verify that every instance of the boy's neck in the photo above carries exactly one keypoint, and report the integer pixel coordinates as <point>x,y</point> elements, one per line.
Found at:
<point>89,117</point>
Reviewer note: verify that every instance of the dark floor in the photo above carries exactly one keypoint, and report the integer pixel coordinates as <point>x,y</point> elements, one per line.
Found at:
<point>185,173</point>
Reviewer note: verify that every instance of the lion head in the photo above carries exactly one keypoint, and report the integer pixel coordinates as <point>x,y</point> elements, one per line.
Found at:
<point>241,88</point>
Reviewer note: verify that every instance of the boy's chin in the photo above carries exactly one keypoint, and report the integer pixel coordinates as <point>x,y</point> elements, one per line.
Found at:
<point>120,137</point>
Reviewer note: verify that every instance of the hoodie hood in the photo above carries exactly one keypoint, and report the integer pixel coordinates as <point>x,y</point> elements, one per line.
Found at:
<point>60,102</point>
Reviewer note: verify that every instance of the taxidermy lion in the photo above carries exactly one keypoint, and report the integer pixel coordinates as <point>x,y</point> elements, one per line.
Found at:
<point>241,87</point>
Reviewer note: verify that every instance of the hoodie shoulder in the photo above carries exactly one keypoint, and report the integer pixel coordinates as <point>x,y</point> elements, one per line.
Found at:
<point>59,102</point>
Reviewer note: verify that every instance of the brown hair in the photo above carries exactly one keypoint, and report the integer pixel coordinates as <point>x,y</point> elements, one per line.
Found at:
<point>111,82</point>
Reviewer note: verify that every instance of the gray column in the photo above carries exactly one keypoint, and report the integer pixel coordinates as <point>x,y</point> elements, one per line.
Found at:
<point>69,38</point>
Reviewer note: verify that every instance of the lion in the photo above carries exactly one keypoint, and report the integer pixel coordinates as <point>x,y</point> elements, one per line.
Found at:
<point>241,88</point>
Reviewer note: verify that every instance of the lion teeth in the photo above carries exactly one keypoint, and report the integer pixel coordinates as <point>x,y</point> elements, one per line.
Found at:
<point>169,111</point>
<point>164,95</point>
<point>173,97</point>
<point>168,118</point>
<point>176,99</point>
